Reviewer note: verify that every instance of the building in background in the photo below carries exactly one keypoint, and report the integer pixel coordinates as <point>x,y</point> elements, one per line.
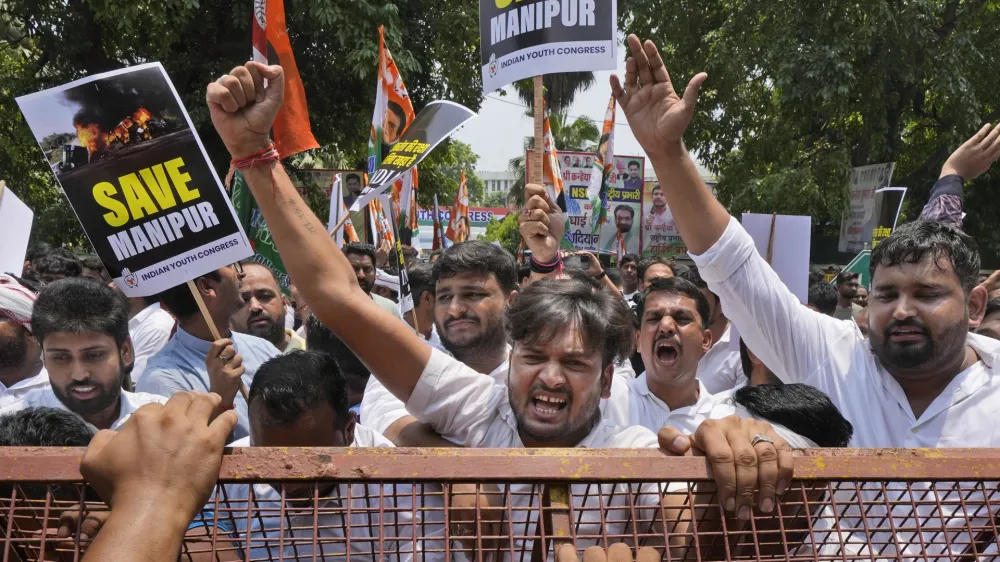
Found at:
<point>496,182</point>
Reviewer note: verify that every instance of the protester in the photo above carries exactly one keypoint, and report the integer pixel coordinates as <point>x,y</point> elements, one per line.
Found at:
<point>82,328</point>
<point>193,359</point>
<point>719,369</point>
<point>264,307</point>
<point>21,369</point>
<point>923,296</point>
<point>94,269</point>
<point>156,474</point>
<point>355,372</point>
<point>43,427</point>
<point>673,337</point>
<point>990,326</point>
<point>823,298</point>
<point>55,265</point>
<point>847,289</point>
<point>861,297</point>
<point>591,267</point>
<point>386,286</point>
<point>34,252</point>
<point>362,258</point>
<point>546,324</point>
<point>629,267</point>
<point>422,289</point>
<point>474,283</point>
<point>300,400</point>
<point>862,322</point>
<point>654,267</point>
<point>149,327</point>
<point>301,308</point>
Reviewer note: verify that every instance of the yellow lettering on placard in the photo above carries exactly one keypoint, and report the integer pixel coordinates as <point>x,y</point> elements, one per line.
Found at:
<point>139,203</point>
<point>503,3</point>
<point>102,195</point>
<point>156,180</point>
<point>131,200</point>
<point>180,180</point>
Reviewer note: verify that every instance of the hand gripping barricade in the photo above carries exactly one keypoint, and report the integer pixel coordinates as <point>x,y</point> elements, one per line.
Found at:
<point>494,504</point>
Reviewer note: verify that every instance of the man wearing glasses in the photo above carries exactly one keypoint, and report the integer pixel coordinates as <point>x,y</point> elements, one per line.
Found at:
<point>194,360</point>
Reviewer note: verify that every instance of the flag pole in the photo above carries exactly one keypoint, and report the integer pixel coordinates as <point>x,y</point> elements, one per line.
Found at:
<point>212,328</point>
<point>536,169</point>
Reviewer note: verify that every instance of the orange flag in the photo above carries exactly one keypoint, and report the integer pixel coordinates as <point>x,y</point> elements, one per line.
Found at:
<point>292,132</point>
<point>458,226</point>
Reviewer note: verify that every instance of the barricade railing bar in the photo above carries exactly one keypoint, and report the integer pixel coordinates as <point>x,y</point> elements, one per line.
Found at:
<point>498,504</point>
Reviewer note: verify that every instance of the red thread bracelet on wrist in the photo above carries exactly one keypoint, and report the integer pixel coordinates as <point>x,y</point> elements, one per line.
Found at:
<point>267,154</point>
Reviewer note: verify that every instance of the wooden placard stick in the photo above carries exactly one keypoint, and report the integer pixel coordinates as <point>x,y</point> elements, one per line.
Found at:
<point>214,330</point>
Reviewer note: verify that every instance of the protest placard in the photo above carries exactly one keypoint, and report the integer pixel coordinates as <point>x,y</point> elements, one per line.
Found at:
<point>864,211</point>
<point>889,203</point>
<point>15,224</point>
<point>435,122</point>
<point>659,231</point>
<point>529,38</point>
<point>137,177</point>
<point>784,241</point>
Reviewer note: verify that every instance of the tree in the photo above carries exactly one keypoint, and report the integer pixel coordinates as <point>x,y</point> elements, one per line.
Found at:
<point>505,232</point>
<point>435,44</point>
<point>559,89</point>
<point>498,199</point>
<point>798,93</point>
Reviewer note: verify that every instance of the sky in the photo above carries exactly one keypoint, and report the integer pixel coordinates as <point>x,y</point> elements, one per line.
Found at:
<point>497,134</point>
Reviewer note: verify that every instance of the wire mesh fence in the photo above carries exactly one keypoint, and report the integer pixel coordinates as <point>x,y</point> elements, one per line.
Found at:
<point>398,504</point>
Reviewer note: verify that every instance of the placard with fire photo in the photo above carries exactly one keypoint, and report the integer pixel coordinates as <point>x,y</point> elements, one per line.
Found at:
<point>135,173</point>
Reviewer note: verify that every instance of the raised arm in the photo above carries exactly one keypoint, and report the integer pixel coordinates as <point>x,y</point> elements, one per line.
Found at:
<point>967,163</point>
<point>242,112</point>
<point>788,337</point>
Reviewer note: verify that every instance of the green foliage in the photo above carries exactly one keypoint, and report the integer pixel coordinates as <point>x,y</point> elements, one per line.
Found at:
<point>49,42</point>
<point>494,200</point>
<point>505,232</point>
<point>799,92</point>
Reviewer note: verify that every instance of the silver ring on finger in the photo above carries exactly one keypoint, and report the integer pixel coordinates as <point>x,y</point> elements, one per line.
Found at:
<point>761,439</point>
<point>224,359</point>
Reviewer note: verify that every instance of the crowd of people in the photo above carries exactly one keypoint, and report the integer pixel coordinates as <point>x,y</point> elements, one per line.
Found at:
<point>558,352</point>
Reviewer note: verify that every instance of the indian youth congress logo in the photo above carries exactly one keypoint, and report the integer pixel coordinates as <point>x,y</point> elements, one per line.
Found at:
<point>131,279</point>
<point>493,65</point>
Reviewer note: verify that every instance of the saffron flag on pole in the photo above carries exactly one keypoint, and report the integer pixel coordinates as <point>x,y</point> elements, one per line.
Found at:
<point>601,175</point>
<point>458,226</point>
<point>438,231</point>
<point>292,132</point>
<point>393,110</point>
<point>338,210</point>
<point>551,172</point>
<point>380,223</point>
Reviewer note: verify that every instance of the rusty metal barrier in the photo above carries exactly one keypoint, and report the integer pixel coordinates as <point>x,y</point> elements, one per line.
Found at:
<point>492,504</point>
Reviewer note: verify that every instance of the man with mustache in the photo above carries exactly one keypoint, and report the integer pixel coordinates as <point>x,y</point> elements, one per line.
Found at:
<point>21,369</point>
<point>82,328</point>
<point>264,309</point>
<point>566,339</point>
<point>474,283</point>
<point>920,380</point>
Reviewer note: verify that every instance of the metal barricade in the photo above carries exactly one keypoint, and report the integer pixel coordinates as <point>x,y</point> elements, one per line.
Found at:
<point>495,504</point>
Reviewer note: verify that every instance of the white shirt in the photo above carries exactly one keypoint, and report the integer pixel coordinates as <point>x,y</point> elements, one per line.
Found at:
<point>471,410</point>
<point>45,398</point>
<point>380,408</point>
<point>721,368</point>
<point>149,331</point>
<point>803,346</point>
<point>632,403</point>
<point>20,389</point>
<point>364,521</point>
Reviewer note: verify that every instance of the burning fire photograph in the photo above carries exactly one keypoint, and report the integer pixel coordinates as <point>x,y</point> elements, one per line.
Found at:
<point>104,119</point>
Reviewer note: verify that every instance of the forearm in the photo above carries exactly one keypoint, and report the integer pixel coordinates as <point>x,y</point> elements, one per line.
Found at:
<point>326,279</point>
<point>152,535</point>
<point>409,432</point>
<point>699,217</point>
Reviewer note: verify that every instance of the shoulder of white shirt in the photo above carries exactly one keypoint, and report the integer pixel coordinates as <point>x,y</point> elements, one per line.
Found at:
<point>364,437</point>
